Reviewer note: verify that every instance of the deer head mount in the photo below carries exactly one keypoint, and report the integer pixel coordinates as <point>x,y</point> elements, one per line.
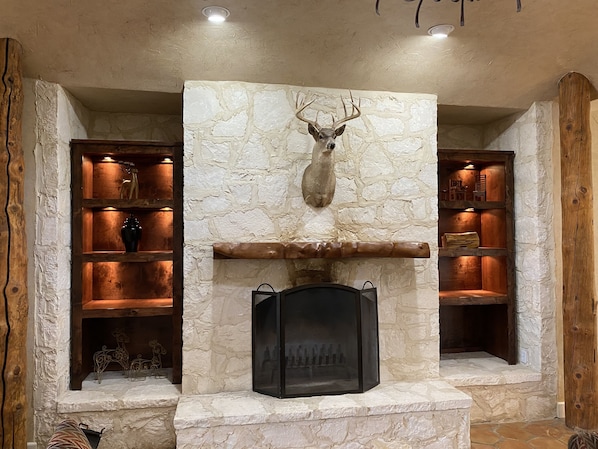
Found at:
<point>319,181</point>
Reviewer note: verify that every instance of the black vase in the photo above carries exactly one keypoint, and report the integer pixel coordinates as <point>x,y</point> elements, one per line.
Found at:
<point>131,234</point>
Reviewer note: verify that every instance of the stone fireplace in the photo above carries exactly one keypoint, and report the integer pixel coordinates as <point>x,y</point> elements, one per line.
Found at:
<point>244,156</point>
<point>245,153</point>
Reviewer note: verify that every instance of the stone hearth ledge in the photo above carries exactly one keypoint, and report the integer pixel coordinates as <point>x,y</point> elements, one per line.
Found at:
<point>481,368</point>
<point>394,414</point>
<point>116,392</point>
<point>319,250</point>
<point>141,409</point>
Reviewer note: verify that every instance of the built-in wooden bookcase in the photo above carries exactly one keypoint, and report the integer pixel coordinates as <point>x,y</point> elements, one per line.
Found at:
<point>138,292</point>
<point>477,284</point>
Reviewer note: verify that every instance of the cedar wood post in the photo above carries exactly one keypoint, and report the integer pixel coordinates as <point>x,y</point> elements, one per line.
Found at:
<point>579,319</point>
<point>13,253</point>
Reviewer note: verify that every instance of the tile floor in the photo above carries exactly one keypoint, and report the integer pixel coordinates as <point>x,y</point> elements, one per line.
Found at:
<point>548,434</point>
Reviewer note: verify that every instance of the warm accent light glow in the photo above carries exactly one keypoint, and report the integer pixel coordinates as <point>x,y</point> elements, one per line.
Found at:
<point>167,160</point>
<point>469,167</point>
<point>107,159</point>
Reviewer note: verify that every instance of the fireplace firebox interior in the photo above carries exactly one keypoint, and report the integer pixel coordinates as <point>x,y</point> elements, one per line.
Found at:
<point>315,339</point>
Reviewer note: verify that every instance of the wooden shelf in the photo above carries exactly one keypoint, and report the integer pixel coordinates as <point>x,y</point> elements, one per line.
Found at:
<point>111,289</point>
<point>480,205</point>
<point>113,308</point>
<point>477,285</point>
<point>117,203</point>
<point>481,251</point>
<point>121,256</point>
<point>471,297</point>
<point>319,250</point>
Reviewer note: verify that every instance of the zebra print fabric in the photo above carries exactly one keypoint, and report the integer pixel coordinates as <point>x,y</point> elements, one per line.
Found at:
<point>583,440</point>
<point>68,435</point>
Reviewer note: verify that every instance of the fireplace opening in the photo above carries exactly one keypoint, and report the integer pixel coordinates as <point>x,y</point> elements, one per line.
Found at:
<point>315,339</point>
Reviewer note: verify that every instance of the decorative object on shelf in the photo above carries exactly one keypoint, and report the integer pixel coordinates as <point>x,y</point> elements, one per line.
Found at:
<point>460,240</point>
<point>319,181</point>
<point>130,183</point>
<point>104,357</point>
<point>419,5</point>
<point>153,366</point>
<point>457,191</point>
<point>131,233</point>
<point>479,191</point>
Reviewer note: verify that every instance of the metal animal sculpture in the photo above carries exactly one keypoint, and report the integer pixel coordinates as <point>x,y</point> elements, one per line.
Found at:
<point>129,188</point>
<point>153,365</point>
<point>104,357</point>
<point>319,181</point>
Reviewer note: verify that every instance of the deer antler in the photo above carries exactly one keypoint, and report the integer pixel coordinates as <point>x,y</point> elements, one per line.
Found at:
<point>300,107</point>
<point>353,115</point>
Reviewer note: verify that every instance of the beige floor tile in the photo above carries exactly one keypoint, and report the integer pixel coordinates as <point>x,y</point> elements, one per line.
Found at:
<point>547,434</point>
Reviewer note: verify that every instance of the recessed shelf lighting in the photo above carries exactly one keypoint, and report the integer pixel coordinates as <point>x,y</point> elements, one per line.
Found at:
<point>216,14</point>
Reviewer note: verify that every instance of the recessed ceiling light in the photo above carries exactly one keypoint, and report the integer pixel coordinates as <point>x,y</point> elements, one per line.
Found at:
<point>216,14</point>
<point>441,31</point>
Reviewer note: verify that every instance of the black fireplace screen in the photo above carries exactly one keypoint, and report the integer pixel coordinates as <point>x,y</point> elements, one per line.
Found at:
<point>315,339</point>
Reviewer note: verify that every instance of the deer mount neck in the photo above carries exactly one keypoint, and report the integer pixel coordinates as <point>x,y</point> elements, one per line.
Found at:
<point>319,181</point>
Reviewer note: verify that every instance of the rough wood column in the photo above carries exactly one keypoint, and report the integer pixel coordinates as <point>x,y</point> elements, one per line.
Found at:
<point>579,320</point>
<point>13,253</point>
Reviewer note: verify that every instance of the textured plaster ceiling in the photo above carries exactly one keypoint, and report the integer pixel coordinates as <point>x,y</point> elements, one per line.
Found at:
<point>499,62</point>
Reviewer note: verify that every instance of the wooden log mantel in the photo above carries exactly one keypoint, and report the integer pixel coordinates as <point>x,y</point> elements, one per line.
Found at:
<point>319,250</point>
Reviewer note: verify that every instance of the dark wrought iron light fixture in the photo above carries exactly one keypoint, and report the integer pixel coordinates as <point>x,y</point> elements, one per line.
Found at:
<point>419,5</point>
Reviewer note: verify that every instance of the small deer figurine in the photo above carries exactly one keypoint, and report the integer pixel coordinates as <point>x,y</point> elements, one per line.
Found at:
<point>130,184</point>
<point>319,181</point>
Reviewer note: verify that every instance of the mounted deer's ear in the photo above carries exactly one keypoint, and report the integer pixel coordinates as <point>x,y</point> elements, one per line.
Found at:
<point>339,131</point>
<point>313,131</point>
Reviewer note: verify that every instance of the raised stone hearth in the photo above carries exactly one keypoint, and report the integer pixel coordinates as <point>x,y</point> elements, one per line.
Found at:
<point>395,415</point>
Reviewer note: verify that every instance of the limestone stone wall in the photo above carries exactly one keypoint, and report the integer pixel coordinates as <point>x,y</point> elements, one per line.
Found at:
<point>244,156</point>
<point>531,136</point>
<point>55,117</point>
<point>125,126</point>
<point>245,153</point>
<point>56,121</point>
<point>460,136</point>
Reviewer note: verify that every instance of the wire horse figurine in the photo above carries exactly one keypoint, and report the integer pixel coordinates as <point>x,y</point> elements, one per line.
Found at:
<point>106,356</point>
